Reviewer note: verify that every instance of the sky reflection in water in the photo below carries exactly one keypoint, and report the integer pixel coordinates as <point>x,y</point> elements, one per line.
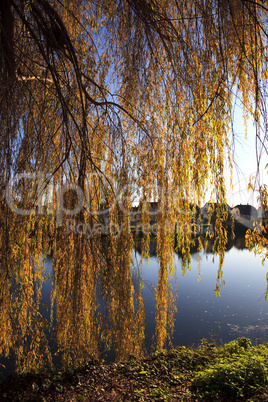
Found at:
<point>241,310</point>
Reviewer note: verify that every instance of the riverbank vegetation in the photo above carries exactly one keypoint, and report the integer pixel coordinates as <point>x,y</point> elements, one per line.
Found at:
<point>236,371</point>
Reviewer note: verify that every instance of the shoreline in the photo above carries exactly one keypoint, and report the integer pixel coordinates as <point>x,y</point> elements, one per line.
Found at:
<point>236,371</point>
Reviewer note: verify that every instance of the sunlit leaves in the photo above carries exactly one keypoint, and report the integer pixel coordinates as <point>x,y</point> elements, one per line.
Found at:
<point>120,98</point>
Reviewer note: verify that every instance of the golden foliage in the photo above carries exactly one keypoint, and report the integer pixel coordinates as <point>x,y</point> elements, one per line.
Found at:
<point>128,101</point>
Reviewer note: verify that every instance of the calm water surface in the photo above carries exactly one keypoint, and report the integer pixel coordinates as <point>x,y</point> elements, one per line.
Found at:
<point>240,310</point>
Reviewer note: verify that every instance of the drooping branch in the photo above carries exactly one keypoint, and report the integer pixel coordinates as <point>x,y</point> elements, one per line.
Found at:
<point>7,39</point>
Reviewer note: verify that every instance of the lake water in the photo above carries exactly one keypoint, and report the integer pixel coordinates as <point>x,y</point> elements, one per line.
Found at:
<point>240,310</point>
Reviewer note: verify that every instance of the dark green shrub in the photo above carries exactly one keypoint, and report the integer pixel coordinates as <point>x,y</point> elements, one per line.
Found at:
<point>241,375</point>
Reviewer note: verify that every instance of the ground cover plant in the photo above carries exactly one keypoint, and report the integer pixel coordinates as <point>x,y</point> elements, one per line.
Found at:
<point>236,371</point>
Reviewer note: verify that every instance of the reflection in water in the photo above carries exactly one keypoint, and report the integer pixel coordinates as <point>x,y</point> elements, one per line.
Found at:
<point>239,243</point>
<point>97,305</point>
<point>23,328</point>
<point>261,328</point>
<point>97,296</point>
<point>200,314</point>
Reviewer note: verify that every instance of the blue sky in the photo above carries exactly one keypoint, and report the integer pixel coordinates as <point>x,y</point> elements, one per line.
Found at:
<point>245,166</point>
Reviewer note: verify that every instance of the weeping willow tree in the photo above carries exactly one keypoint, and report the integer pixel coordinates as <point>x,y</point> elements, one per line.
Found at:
<point>104,103</point>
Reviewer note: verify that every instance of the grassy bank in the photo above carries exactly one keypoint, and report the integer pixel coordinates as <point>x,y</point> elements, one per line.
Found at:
<point>236,371</point>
